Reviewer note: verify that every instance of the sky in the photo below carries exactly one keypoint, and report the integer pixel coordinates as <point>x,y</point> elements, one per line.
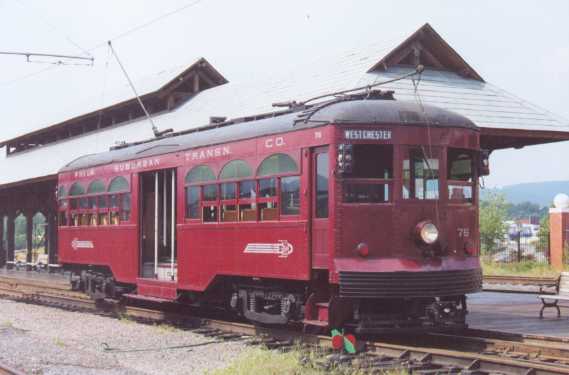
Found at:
<point>520,46</point>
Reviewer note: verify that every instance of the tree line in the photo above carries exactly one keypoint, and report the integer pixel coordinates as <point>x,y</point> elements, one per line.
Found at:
<point>495,210</point>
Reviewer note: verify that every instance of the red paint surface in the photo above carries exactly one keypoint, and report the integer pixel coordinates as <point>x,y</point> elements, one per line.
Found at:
<point>207,250</point>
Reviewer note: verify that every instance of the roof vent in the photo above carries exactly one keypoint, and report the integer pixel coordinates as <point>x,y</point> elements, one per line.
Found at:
<point>118,145</point>
<point>217,119</point>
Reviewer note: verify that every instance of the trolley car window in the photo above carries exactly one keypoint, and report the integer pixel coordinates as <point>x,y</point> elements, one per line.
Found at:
<point>268,208</point>
<point>193,202</point>
<point>125,207</point>
<point>210,214</point>
<point>247,196</point>
<point>75,190</point>
<point>210,209</point>
<point>62,204</point>
<point>235,169</point>
<point>114,205</point>
<point>322,185</point>
<point>277,164</point>
<point>246,200</point>
<point>373,161</point>
<point>95,187</point>
<point>460,175</point>
<point>200,173</point>
<point>61,193</point>
<point>102,201</point>
<point>459,165</point>
<point>119,201</point>
<point>118,184</point>
<point>420,176</point>
<point>210,193</point>
<point>370,179</point>
<point>290,195</point>
<point>83,202</point>
<point>228,191</point>
<point>114,200</point>
<point>229,209</point>
<point>247,189</point>
<point>268,187</point>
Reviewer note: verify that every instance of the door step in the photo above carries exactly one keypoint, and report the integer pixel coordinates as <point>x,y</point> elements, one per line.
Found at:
<point>322,309</point>
<point>162,290</point>
<point>317,323</point>
<point>318,315</point>
<point>139,297</point>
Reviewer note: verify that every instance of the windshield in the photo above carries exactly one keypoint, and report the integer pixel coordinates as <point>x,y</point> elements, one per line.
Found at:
<point>420,174</point>
<point>370,179</point>
<point>460,175</point>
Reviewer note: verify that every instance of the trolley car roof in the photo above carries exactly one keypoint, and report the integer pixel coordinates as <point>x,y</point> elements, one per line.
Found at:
<point>448,82</point>
<point>353,112</point>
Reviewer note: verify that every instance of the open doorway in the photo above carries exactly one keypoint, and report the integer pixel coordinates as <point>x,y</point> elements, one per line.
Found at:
<point>158,256</point>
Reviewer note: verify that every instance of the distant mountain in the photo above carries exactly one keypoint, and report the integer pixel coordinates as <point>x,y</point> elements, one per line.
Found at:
<point>541,193</point>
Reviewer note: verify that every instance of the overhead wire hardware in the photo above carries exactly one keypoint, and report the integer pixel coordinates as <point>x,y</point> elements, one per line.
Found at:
<point>28,55</point>
<point>418,70</point>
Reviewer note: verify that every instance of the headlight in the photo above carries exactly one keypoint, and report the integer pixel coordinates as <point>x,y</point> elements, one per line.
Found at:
<point>428,232</point>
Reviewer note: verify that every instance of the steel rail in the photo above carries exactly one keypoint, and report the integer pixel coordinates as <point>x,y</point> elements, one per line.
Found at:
<point>478,359</point>
<point>520,280</point>
<point>7,370</point>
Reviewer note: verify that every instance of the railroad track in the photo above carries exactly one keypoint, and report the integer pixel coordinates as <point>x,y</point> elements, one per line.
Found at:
<point>6,370</point>
<point>474,351</point>
<point>520,280</point>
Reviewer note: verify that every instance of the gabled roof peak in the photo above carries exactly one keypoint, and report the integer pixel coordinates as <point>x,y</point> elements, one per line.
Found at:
<point>426,47</point>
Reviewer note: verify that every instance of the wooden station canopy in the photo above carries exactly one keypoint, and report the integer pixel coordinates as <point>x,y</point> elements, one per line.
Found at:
<point>200,94</point>
<point>519,124</point>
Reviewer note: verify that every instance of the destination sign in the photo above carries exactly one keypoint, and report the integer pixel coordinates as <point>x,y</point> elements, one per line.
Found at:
<point>374,135</point>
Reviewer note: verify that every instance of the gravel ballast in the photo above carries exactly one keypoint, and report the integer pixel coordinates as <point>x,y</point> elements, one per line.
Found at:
<point>44,340</point>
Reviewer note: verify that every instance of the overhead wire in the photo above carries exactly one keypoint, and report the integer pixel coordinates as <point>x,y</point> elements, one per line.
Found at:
<point>105,78</point>
<point>428,157</point>
<point>115,38</point>
<point>54,28</point>
<point>146,24</point>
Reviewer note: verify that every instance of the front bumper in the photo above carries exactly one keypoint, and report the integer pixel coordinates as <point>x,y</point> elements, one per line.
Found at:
<point>418,284</point>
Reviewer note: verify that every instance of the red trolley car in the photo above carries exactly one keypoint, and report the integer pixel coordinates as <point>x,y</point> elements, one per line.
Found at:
<point>358,212</point>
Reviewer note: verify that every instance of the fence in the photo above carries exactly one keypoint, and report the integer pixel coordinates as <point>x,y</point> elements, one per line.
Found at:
<point>518,247</point>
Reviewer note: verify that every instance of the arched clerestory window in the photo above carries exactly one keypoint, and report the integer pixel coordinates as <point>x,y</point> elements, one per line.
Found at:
<point>236,188</point>
<point>279,186</point>
<point>119,202</point>
<point>198,187</point>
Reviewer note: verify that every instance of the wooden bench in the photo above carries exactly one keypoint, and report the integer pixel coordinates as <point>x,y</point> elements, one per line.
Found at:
<point>561,294</point>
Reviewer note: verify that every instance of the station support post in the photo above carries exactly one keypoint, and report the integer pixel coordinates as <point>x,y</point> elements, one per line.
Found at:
<point>29,239</point>
<point>51,237</point>
<point>2,247</point>
<point>558,229</point>
<point>11,233</point>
